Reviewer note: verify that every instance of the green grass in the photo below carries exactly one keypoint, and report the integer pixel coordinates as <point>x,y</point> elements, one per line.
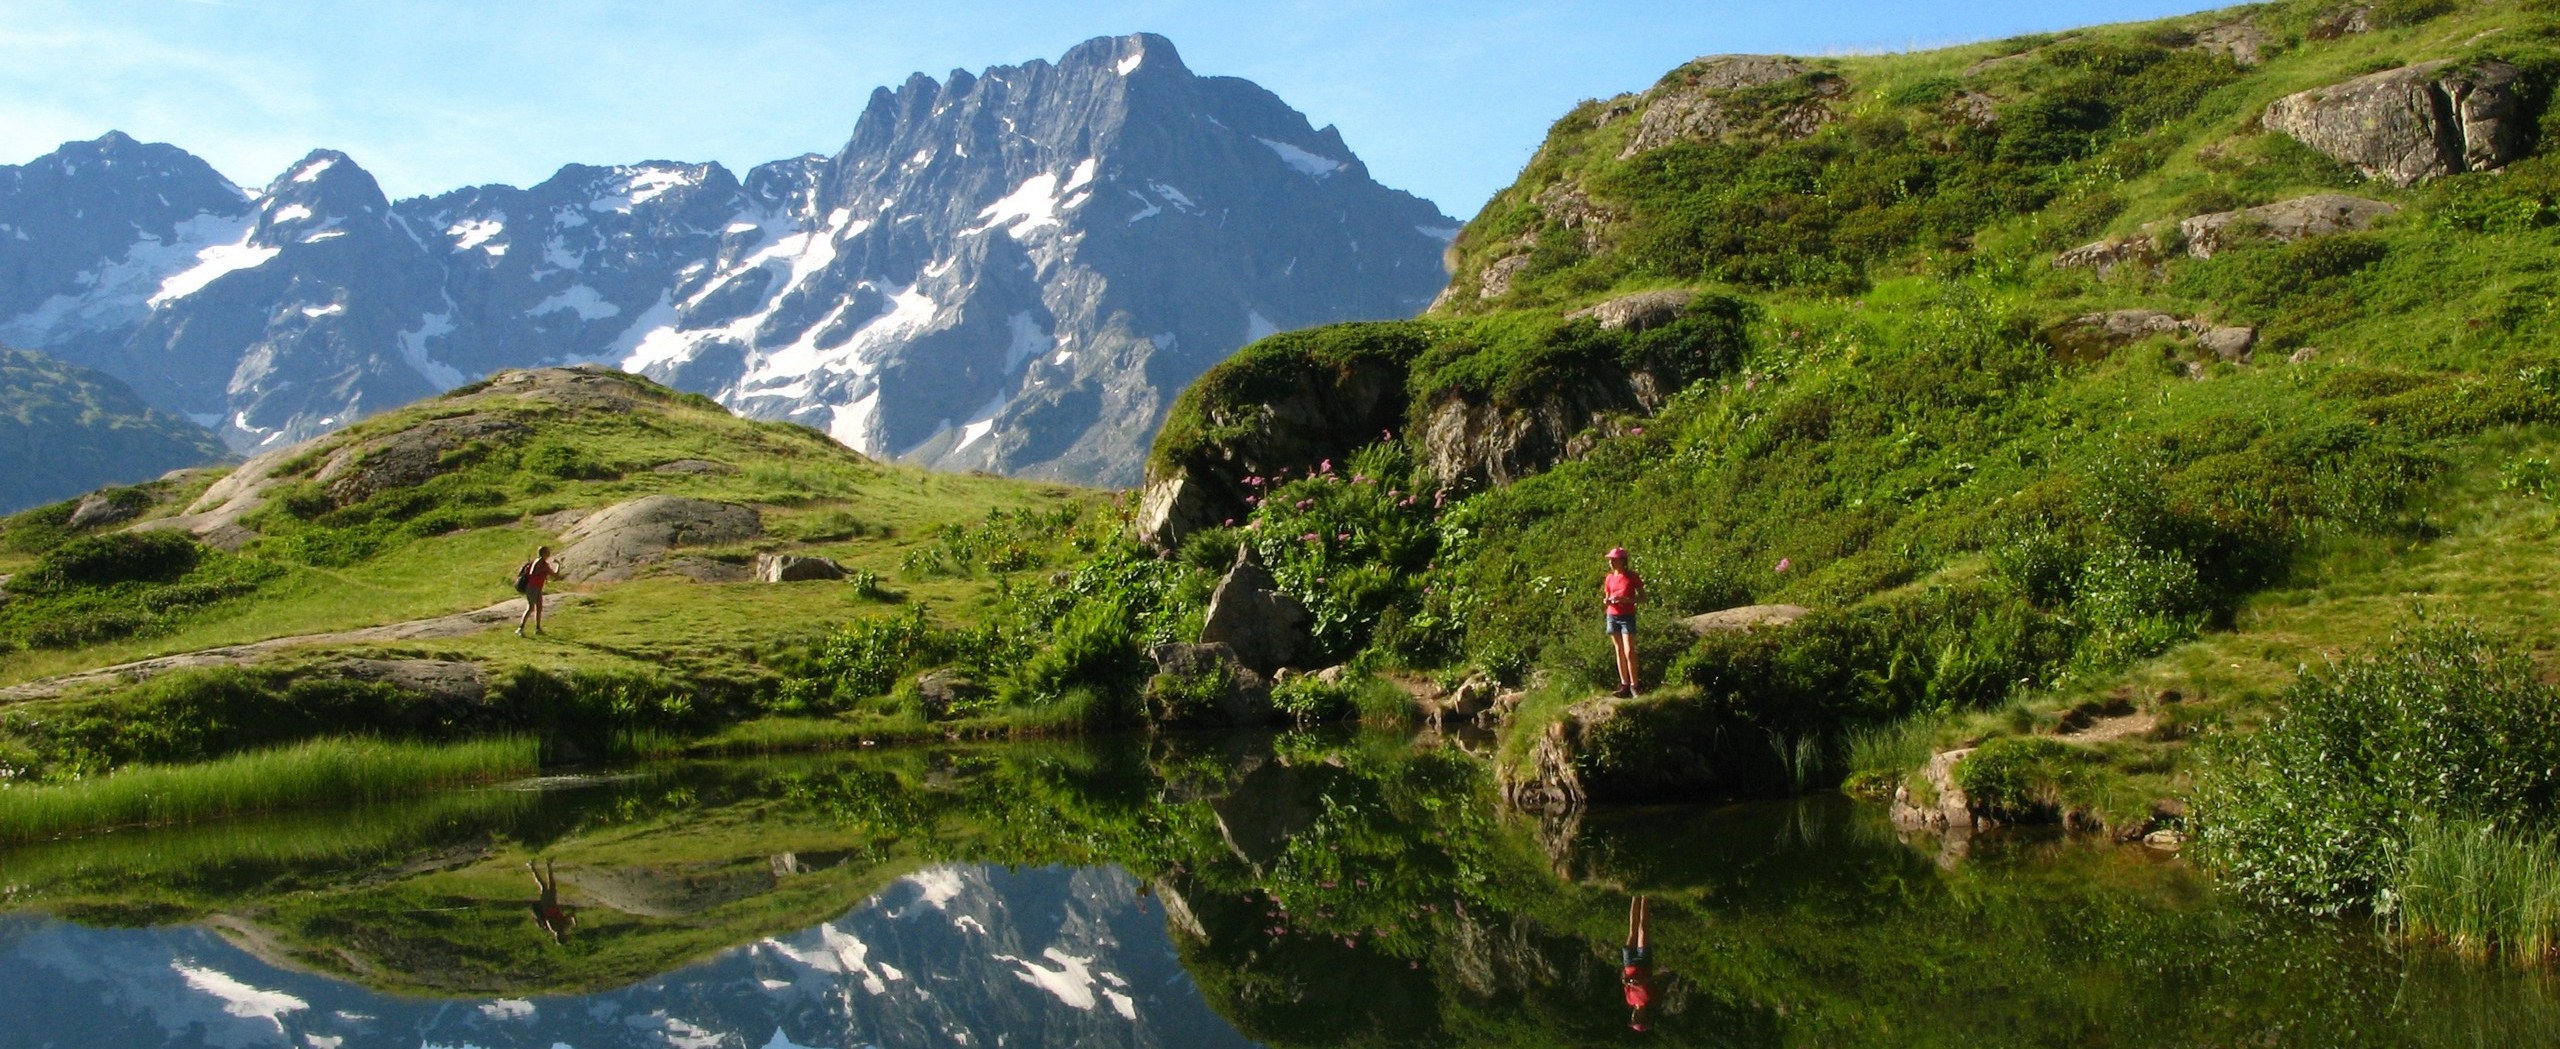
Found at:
<point>321,772</point>
<point>2482,892</point>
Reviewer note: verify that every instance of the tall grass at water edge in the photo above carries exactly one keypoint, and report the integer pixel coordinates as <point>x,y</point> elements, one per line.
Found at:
<point>320,772</point>
<point>2479,892</point>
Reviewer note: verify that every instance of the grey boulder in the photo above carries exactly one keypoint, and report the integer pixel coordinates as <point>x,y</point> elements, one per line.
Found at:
<point>1266,628</point>
<point>2407,125</point>
<point>797,568</point>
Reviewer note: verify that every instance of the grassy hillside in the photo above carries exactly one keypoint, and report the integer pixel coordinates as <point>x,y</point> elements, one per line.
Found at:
<point>65,430</point>
<point>2006,518</point>
<point>369,528</point>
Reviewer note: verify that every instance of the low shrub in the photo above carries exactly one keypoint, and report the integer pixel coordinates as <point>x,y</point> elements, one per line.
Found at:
<point>115,557</point>
<point>2021,778</point>
<point>2446,723</point>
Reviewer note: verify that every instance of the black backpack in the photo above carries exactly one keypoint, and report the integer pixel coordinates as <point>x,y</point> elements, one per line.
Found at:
<point>524,577</point>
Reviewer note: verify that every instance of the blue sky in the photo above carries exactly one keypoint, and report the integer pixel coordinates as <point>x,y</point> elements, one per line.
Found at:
<point>1446,99</point>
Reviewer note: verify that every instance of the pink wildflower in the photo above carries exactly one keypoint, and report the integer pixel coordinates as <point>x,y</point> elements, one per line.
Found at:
<point>1784,564</point>
<point>1325,467</point>
<point>1231,522</point>
<point>1344,536</point>
<point>1310,537</point>
<point>1306,504</point>
<point>1637,431</point>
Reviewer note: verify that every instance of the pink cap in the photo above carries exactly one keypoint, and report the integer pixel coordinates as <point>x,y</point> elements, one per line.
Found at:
<point>1617,553</point>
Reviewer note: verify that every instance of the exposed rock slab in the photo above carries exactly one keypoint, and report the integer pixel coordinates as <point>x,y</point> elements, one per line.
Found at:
<point>1745,619</point>
<point>2407,125</point>
<point>459,624</point>
<point>694,468</point>
<point>1642,311</point>
<point>97,510</point>
<point>2285,221</point>
<point>1245,700</point>
<point>620,541</point>
<point>441,679</point>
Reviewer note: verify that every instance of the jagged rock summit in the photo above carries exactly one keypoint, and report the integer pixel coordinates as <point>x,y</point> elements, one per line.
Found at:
<point>1013,270</point>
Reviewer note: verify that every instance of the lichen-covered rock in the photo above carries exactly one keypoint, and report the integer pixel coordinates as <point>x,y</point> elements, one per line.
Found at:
<point>2105,255</point>
<point>1697,104</point>
<point>2410,124</point>
<point>2285,221</point>
<point>621,540</point>
<point>2231,343</point>
<point>1265,628</point>
<point>1642,311</point>
<point>1940,802</point>
<point>1745,619</point>
<point>2242,42</point>
<point>1498,275</point>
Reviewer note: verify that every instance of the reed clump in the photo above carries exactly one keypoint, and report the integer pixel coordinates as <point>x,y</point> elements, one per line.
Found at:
<point>2480,892</point>
<point>320,772</point>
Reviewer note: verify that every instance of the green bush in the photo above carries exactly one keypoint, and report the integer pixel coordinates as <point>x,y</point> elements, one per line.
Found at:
<point>2021,778</point>
<point>868,658</point>
<point>2445,723</point>
<point>1309,701</point>
<point>115,557</point>
<point>1094,649</point>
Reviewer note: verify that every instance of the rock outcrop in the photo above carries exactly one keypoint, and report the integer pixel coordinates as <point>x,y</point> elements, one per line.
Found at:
<point>1699,103</point>
<point>412,456</point>
<point>797,568</point>
<point>1940,802</point>
<point>1745,619</point>
<point>1264,628</point>
<point>2283,222</point>
<point>1321,411</point>
<point>2106,255</point>
<point>2242,42</point>
<point>1642,311</point>
<point>620,541</point>
<point>1464,438</point>
<point>2407,125</point>
<point>2094,335</point>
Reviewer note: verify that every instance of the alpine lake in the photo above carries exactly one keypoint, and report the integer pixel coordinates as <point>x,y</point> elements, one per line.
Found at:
<point>1300,889</point>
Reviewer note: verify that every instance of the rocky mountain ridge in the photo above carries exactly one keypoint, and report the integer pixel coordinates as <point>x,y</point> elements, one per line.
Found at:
<point>1010,271</point>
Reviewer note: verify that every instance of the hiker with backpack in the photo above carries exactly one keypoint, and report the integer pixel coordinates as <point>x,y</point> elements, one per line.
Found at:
<point>531,577</point>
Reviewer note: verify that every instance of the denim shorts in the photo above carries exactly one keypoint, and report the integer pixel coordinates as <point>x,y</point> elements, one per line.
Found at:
<point>1621,622</point>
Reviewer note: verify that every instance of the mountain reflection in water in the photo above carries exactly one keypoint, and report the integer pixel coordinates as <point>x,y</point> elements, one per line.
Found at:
<point>1304,890</point>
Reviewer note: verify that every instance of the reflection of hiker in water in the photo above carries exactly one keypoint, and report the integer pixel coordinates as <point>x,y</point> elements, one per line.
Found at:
<point>547,911</point>
<point>1636,960</point>
<point>530,579</point>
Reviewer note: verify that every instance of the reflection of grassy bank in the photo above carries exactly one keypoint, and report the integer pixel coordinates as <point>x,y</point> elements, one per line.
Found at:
<point>320,772</point>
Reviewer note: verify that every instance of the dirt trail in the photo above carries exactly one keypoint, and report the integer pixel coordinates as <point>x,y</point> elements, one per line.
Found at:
<point>2107,730</point>
<point>458,624</point>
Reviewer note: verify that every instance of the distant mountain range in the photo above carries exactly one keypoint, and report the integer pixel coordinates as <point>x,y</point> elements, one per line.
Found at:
<point>1013,271</point>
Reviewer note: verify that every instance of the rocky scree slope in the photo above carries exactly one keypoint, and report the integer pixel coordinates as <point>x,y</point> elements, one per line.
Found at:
<point>1008,271</point>
<point>2018,363</point>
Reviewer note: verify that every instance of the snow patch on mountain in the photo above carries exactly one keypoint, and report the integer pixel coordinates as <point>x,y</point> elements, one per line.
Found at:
<point>1308,163</point>
<point>215,261</point>
<point>579,299</point>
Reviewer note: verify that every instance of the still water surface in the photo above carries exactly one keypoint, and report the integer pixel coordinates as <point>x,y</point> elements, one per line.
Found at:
<point>1297,891</point>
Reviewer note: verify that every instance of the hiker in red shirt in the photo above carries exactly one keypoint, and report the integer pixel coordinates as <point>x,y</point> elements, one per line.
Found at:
<point>1620,592</point>
<point>530,579</point>
<point>1636,968</point>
